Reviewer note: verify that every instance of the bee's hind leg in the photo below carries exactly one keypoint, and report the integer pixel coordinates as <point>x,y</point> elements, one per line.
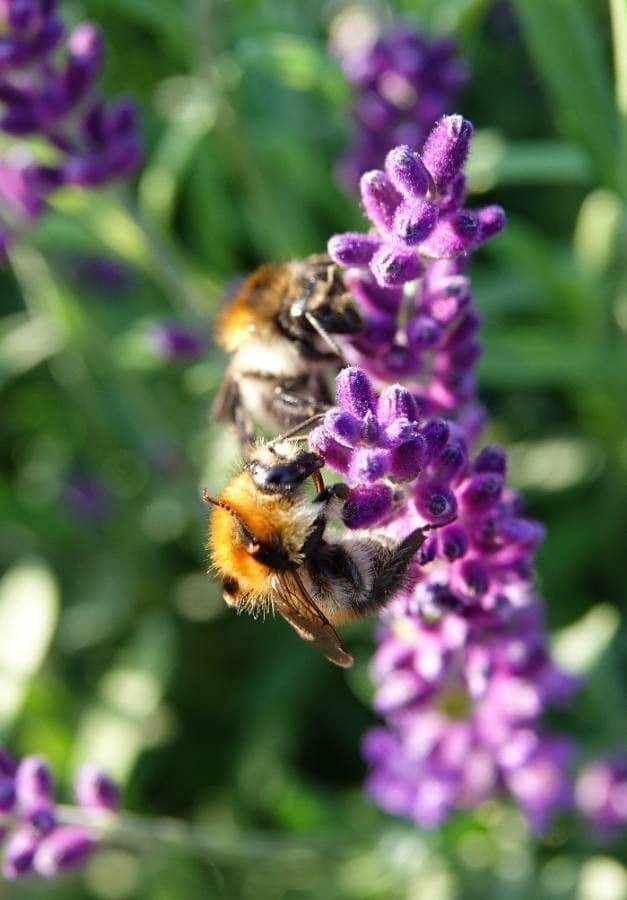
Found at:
<point>391,575</point>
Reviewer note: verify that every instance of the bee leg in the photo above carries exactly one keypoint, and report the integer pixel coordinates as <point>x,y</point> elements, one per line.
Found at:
<point>391,574</point>
<point>295,407</point>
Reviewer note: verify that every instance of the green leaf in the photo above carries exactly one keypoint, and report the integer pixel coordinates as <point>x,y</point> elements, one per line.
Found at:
<point>494,161</point>
<point>563,41</point>
<point>29,604</point>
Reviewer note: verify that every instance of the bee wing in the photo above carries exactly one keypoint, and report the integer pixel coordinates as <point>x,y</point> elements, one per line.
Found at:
<point>292,601</point>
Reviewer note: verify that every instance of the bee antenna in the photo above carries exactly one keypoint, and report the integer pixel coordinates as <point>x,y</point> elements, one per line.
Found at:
<point>302,426</point>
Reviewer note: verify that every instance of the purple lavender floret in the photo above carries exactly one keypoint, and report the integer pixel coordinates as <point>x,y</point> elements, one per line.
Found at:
<point>54,96</point>
<point>175,341</point>
<point>415,205</point>
<point>601,795</point>
<point>35,840</point>
<point>403,83</point>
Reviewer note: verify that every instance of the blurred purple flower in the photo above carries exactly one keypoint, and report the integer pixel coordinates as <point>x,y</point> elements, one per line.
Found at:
<point>33,838</point>
<point>403,83</point>
<point>86,497</point>
<point>601,795</point>
<point>54,95</point>
<point>176,342</point>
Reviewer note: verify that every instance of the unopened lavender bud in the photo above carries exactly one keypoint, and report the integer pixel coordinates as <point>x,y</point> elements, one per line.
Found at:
<point>335,455</point>
<point>435,502</point>
<point>380,199</point>
<point>33,783</point>
<point>371,295</point>
<point>367,505</point>
<point>423,332</point>
<point>407,459</point>
<point>470,578</point>
<point>414,221</point>
<point>449,463</point>
<point>399,431</point>
<point>407,172</point>
<point>19,852</point>
<point>353,248</point>
<point>368,466</point>
<point>464,329</point>
<point>377,331</point>
<point>452,541</point>
<point>86,48</point>
<point>454,235</point>
<point>7,795</point>
<point>481,492</point>
<point>491,459</point>
<point>66,848</point>
<point>343,426</point>
<point>393,265</point>
<point>354,392</point>
<point>436,434</point>
<point>428,550</point>
<point>396,402</point>
<point>454,195</point>
<point>370,431</point>
<point>401,361</point>
<point>492,219</point>
<point>446,148</point>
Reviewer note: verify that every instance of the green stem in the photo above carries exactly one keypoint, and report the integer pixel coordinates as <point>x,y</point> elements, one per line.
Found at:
<point>188,299</point>
<point>138,832</point>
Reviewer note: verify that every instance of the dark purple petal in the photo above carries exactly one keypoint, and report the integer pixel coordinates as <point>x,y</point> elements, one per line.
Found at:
<point>407,459</point>
<point>452,541</point>
<point>414,221</point>
<point>367,506</point>
<point>491,220</point>
<point>423,332</point>
<point>491,459</point>
<point>343,426</point>
<point>7,795</point>
<point>481,492</point>
<point>367,292</point>
<point>436,434</point>
<point>449,463</point>
<point>393,265</point>
<point>454,235</point>
<point>368,465</point>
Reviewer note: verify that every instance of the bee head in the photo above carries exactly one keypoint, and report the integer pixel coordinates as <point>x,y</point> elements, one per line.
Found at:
<point>325,299</point>
<point>280,468</point>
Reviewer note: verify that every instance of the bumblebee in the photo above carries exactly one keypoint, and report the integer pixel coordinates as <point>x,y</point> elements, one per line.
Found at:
<point>269,546</point>
<point>279,328</point>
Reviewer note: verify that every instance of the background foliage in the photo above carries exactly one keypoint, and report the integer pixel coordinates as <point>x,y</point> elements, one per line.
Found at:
<point>114,645</point>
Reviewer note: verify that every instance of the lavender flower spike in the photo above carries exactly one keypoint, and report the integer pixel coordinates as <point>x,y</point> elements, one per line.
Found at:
<point>416,208</point>
<point>601,795</point>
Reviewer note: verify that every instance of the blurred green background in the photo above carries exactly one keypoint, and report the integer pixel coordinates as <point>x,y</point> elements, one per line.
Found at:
<point>114,644</point>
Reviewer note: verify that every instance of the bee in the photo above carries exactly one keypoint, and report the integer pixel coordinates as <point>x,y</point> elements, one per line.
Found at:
<point>279,329</point>
<point>269,546</point>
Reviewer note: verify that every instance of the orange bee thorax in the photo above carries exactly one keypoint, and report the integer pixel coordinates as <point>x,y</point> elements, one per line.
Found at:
<point>246,517</point>
<point>254,307</point>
